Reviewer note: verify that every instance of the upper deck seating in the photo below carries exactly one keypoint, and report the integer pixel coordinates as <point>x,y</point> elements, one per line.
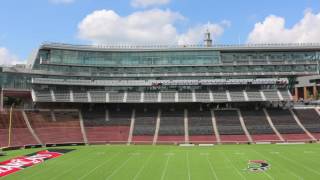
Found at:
<point>237,96</point>
<point>271,95</point>
<point>62,96</point>
<point>254,95</point>
<point>219,96</point>
<point>167,96</point>
<point>151,97</point>
<point>98,96</point>
<point>116,96</point>
<point>185,96</point>
<point>202,96</point>
<point>43,96</point>
<point>134,97</point>
<point>285,94</point>
<point>80,96</point>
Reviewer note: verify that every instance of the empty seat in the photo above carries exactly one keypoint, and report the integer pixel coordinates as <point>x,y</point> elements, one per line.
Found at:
<point>219,96</point>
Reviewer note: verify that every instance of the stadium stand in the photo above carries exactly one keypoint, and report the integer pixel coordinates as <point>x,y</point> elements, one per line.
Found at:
<point>310,120</point>
<point>229,126</point>
<point>258,126</point>
<point>145,125</point>
<point>20,134</point>
<point>200,126</point>
<point>286,125</point>
<point>107,125</point>
<point>171,125</point>
<point>62,127</point>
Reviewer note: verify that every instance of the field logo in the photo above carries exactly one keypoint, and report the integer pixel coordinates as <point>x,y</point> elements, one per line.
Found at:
<point>258,165</point>
<point>16,164</point>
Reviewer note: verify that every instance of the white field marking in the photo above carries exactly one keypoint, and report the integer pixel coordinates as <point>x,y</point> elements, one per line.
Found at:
<point>308,152</point>
<point>143,166</point>
<point>169,154</point>
<point>42,170</point>
<point>274,152</point>
<point>118,168</point>
<point>98,166</point>
<point>188,166</point>
<point>165,169</point>
<point>212,169</point>
<point>255,151</point>
<point>226,157</point>
<point>311,160</point>
<point>294,162</point>
<point>238,153</point>
<point>72,168</point>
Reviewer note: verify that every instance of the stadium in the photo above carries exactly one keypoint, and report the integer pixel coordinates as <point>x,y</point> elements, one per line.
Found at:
<point>161,112</point>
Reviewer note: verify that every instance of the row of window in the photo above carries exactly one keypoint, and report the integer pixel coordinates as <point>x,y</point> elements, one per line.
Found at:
<point>190,69</point>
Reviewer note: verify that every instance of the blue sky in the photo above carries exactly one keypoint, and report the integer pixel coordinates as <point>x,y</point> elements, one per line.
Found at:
<point>26,24</point>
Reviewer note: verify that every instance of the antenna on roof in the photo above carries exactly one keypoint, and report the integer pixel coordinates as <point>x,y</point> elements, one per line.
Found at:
<point>207,39</point>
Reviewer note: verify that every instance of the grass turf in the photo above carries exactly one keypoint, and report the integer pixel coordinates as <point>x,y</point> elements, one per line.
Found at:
<point>223,162</point>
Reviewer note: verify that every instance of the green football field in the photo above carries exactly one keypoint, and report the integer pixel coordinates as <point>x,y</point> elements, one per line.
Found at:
<point>223,162</point>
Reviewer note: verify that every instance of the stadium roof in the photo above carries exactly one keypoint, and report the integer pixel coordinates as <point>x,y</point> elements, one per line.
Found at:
<point>218,47</point>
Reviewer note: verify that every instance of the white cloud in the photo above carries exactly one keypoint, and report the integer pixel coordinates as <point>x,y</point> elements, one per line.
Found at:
<point>273,30</point>
<point>61,1</point>
<point>148,3</point>
<point>144,27</point>
<point>7,58</point>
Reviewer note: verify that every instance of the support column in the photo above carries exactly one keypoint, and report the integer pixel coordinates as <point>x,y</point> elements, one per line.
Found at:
<point>296,94</point>
<point>315,92</point>
<point>305,93</point>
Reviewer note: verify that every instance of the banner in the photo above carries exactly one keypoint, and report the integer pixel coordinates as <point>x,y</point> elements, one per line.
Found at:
<point>16,164</point>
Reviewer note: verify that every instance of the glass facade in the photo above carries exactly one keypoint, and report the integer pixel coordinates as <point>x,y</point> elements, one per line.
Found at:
<point>271,56</point>
<point>131,58</point>
<point>71,64</point>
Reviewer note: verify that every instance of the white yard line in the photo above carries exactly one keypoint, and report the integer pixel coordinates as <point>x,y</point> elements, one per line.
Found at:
<point>294,174</point>
<point>188,166</point>
<point>212,169</point>
<point>116,170</point>
<point>165,169</point>
<point>226,157</point>
<point>98,166</point>
<point>298,164</point>
<point>143,166</point>
<point>44,169</point>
